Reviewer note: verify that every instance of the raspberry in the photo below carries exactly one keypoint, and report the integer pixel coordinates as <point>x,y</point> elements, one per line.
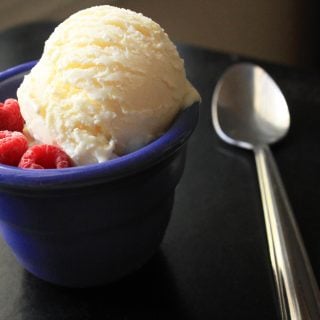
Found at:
<point>12,146</point>
<point>45,156</point>
<point>10,116</point>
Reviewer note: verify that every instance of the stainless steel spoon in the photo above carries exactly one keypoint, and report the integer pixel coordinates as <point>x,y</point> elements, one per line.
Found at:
<point>249,111</point>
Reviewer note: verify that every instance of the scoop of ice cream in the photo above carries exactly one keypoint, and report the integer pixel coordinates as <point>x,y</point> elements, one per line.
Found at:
<point>109,81</point>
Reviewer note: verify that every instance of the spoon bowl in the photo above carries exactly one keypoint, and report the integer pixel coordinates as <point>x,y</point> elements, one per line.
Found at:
<point>249,111</point>
<point>248,107</point>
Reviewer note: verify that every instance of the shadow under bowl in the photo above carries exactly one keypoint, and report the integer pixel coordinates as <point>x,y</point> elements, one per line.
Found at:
<point>91,225</point>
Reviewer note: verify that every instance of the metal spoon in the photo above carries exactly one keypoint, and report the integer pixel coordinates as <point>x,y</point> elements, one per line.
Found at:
<point>249,111</point>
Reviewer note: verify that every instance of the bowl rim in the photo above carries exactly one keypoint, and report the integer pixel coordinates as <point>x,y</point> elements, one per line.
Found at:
<point>123,166</point>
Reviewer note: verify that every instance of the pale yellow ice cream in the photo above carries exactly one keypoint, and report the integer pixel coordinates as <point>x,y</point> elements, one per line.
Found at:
<point>109,81</point>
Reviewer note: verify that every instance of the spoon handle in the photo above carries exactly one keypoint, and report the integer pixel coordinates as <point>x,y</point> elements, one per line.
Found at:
<point>296,285</point>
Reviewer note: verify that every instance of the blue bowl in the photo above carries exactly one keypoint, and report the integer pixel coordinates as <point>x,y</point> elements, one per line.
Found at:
<point>93,224</point>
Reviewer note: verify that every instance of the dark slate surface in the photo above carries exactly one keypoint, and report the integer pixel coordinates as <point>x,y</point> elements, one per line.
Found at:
<point>213,262</point>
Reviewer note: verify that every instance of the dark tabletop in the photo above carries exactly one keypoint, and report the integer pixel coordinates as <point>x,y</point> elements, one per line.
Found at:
<point>213,262</point>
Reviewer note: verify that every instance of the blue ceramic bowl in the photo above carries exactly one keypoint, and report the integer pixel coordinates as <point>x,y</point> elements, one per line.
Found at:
<point>90,225</point>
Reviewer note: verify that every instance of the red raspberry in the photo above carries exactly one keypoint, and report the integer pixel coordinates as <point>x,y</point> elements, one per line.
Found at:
<point>12,146</point>
<point>45,156</point>
<point>10,116</point>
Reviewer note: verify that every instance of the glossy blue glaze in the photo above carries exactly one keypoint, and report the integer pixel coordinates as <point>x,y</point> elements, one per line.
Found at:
<point>92,224</point>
